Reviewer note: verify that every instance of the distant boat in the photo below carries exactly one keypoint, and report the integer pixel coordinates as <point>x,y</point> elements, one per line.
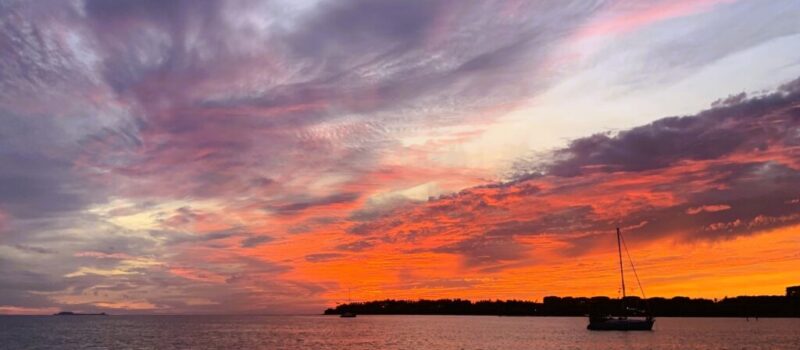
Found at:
<point>624,321</point>
<point>70,313</point>
<point>348,314</point>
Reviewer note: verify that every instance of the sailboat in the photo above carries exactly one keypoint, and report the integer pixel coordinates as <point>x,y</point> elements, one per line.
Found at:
<point>348,314</point>
<point>623,322</point>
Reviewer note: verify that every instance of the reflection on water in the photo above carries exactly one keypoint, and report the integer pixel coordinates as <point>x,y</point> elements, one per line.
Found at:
<point>384,332</point>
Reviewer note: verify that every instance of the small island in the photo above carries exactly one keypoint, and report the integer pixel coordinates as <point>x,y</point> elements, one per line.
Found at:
<point>70,313</point>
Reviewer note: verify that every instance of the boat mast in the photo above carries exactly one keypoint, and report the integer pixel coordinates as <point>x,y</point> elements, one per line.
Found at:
<point>621,274</point>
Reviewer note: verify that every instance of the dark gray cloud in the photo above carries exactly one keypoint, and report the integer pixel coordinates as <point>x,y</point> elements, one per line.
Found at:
<point>355,27</point>
<point>179,237</point>
<point>34,249</point>
<point>322,257</point>
<point>356,246</point>
<point>37,179</point>
<point>292,208</point>
<point>569,219</point>
<point>480,251</point>
<point>373,227</point>
<point>759,196</point>
<point>753,124</point>
<point>255,241</point>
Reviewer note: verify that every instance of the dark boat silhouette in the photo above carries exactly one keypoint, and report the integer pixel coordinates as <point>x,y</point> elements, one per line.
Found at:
<point>625,321</point>
<point>348,314</point>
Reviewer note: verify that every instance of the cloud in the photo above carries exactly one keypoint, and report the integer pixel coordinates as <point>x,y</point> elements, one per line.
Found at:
<point>255,241</point>
<point>101,255</point>
<point>176,237</point>
<point>622,17</point>
<point>486,250</point>
<point>145,144</point>
<point>33,249</point>
<point>339,198</point>
<point>712,134</point>
<point>669,178</point>
<point>322,257</point>
<point>355,246</point>
<point>735,38</point>
<point>707,208</point>
<point>37,184</point>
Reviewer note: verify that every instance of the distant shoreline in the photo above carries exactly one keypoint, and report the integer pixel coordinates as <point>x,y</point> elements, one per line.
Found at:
<point>741,306</point>
<point>336,315</point>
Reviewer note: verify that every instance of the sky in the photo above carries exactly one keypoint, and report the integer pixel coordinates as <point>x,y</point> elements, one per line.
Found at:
<point>286,156</point>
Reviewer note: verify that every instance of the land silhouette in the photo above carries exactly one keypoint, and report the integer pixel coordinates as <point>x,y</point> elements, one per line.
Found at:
<point>70,313</point>
<point>740,306</point>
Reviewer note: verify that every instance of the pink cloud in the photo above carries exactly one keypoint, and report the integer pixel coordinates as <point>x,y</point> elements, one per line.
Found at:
<point>627,21</point>
<point>707,208</point>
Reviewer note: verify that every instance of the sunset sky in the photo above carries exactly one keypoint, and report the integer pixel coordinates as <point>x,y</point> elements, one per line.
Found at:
<point>272,156</point>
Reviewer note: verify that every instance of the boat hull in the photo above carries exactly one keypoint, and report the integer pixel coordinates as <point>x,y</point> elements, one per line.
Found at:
<point>621,324</point>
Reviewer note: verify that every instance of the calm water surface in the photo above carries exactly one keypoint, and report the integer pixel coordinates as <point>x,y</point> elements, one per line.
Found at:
<point>384,332</point>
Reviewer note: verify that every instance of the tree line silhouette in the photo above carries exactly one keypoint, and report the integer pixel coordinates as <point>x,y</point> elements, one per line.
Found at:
<point>741,306</point>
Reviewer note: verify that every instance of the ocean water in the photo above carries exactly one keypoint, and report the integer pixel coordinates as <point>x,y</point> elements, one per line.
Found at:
<point>385,332</point>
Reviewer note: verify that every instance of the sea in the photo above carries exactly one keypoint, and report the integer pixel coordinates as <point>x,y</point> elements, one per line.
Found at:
<point>385,332</point>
